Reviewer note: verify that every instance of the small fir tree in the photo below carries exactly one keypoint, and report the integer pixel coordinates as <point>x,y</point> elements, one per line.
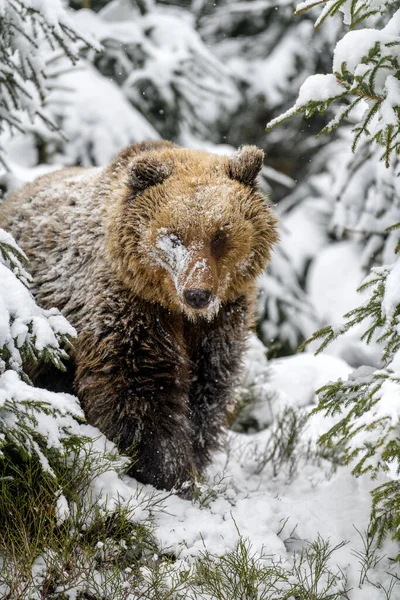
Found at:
<point>367,405</point>
<point>33,423</point>
<point>366,83</point>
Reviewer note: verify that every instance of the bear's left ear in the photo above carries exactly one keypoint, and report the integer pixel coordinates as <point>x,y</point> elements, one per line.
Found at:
<point>246,164</point>
<point>148,171</point>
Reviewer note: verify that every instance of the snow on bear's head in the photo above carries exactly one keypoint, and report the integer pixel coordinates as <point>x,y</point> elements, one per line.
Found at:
<point>190,230</point>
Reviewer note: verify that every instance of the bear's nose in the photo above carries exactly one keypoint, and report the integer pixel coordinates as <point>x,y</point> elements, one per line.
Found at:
<point>197,298</point>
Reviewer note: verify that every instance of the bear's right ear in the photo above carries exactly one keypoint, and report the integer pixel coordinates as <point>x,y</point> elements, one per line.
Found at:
<point>147,171</point>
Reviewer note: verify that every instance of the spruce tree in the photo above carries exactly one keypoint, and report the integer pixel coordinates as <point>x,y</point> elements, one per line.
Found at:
<point>34,424</point>
<point>363,95</point>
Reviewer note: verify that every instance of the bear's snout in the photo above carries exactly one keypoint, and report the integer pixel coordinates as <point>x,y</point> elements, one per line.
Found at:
<point>197,298</point>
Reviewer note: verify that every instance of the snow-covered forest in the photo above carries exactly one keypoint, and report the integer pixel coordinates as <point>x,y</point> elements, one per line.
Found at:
<point>303,501</point>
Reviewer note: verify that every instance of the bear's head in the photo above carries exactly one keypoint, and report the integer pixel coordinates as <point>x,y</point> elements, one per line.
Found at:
<point>189,229</point>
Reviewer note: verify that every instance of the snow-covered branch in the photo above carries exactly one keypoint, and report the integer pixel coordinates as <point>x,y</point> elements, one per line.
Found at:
<point>32,32</point>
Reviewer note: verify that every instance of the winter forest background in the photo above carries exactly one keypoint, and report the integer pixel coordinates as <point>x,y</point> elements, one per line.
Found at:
<point>303,502</point>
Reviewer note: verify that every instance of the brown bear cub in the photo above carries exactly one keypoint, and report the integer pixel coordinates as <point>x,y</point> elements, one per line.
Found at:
<point>153,259</point>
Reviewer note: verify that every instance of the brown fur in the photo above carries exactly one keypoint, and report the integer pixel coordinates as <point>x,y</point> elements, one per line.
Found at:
<point>117,249</point>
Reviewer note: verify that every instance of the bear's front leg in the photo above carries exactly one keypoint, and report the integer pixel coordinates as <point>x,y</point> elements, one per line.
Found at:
<point>132,376</point>
<point>216,360</point>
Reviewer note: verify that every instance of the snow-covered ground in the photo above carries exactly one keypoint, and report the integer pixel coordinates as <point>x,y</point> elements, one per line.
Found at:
<point>278,507</point>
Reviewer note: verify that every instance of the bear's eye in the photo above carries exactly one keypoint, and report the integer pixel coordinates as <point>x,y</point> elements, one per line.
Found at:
<point>218,243</point>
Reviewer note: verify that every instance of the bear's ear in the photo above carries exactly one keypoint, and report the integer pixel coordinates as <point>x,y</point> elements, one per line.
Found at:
<point>245,165</point>
<point>147,171</point>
